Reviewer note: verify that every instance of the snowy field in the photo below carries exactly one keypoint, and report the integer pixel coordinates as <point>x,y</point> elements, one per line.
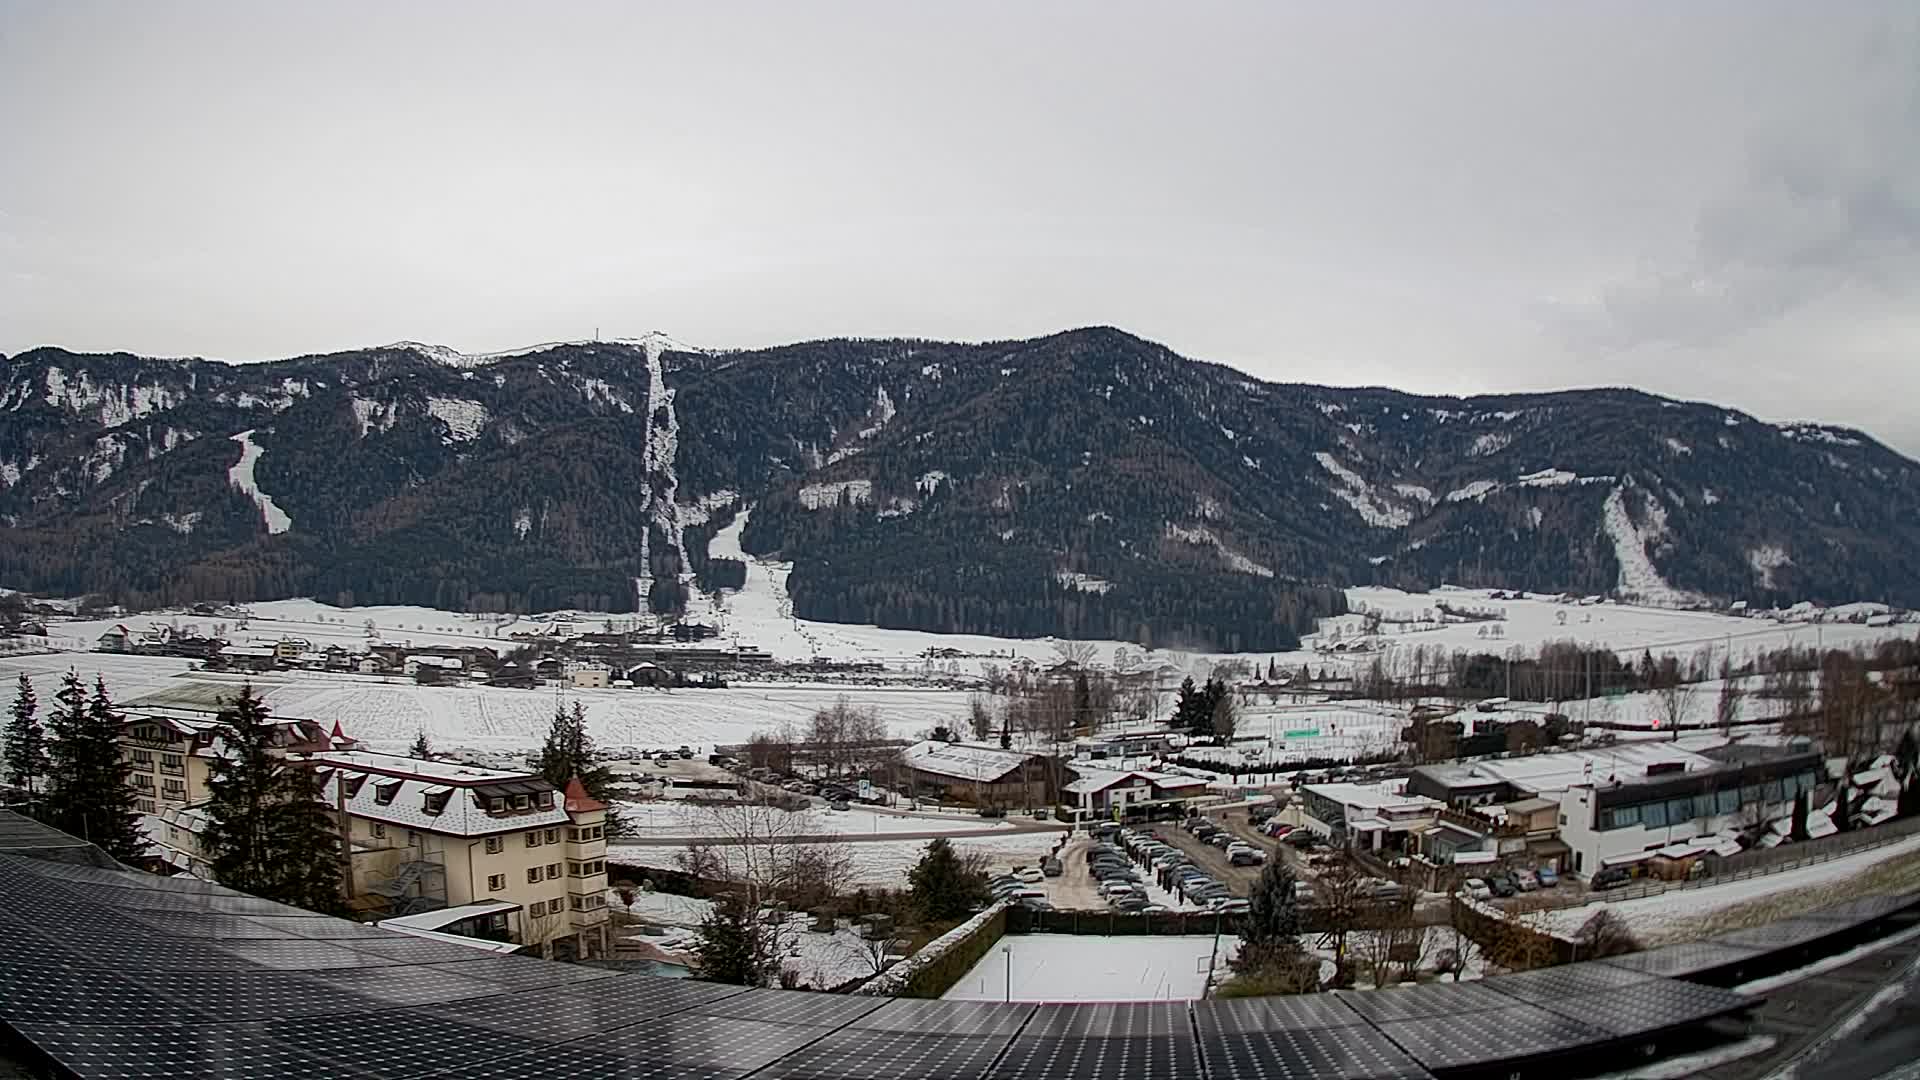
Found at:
<point>665,820</point>
<point>1066,967</point>
<point>883,864</point>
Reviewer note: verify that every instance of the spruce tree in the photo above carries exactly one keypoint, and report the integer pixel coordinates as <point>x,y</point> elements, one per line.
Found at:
<point>421,748</point>
<point>88,791</point>
<point>267,831</point>
<point>943,887</point>
<point>569,752</point>
<point>24,747</point>
<point>726,948</point>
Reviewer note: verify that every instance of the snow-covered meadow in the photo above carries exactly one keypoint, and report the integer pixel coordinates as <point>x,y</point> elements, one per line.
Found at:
<point>1068,967</point>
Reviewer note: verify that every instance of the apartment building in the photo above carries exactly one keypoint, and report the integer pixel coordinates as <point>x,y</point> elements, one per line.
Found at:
<point>169,755</point>
<point>427,835</point>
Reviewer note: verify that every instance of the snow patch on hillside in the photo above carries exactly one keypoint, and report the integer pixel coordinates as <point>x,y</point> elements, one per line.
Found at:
<point>1765,559</point>
<point>700,511</point>
<point>181,523</point>
<point>1804,432</point>
<point>1638,578</point>
<point>464,419</point>
<point>1491,443</point>
<point>930,480</point>
<point>1476,491</point>
<point>1073,579</point>
<point>112,405</point>
<point>663,446</point>
<point>369,414</point>
<point>1679,447</point>
<point>601,390</point>
<point>1354,490</point>
<point>1200,534</point>
<point>1416,492</point>
<point>818,496</point>
<point>654,342</point>
<point>1709,496</point>
<point>241,476</point>
<point>9,474</point>
<point>108,454</point>
<point>522,523</point>
<point>883,411</point>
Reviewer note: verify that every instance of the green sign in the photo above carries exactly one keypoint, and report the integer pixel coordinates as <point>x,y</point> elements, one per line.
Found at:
<point>1305,733</point>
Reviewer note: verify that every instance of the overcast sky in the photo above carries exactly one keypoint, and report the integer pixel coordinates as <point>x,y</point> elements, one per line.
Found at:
<point>1714,201</point>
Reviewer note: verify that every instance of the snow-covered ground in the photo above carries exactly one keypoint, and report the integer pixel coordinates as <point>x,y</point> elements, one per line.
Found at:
<point>241,476</point>
<point>884,863</point>
<point>1677,914</point>
<point>1065,967</point>
<point>676,819</point>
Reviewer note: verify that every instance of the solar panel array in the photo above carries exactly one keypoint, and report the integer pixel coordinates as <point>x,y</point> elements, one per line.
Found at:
<point>114,973</point>
<point>1736,949</point>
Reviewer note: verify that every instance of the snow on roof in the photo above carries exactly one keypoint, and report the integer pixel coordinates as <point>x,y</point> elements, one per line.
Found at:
<point>408,767</point>
<point>1092,780</point>
<point>482,944</point>
<point>434,920</point>
<point>1382,796</point>
<point>963,761</point>
<point>1560,770</point>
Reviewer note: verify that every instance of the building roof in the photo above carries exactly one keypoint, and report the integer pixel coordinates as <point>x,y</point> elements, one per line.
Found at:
<point>1532,806</point>
<point>360,779</point>
<point>578,801</point>
<point>1552,773</point>
<point>1382,796</point>
<point>443,917</point>
<point>964,761</point>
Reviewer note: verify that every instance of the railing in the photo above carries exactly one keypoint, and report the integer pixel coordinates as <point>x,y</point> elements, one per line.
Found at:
<point>1766,861</point>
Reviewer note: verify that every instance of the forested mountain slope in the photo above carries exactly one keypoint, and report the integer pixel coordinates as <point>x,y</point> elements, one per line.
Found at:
<point>1085,483</point>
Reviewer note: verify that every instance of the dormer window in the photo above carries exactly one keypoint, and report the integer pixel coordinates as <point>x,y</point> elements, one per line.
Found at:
<point>436,799</point>
<point>545,800</point>
<point>351,785</point>
<point>496,805</point>
<point>522,802</point>
<point>384,792</point>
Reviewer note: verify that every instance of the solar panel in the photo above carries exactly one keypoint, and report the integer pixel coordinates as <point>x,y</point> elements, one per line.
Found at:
<point>576,1011</point>
<point>225,1052</point>
<point>296,955</point>
<point>1680,961</point>
<point>1242,1015</point>
<point>792,1007</point>
<point>401,1043</point>
<point>1445,1042</point>
<point>860,1054</point>
<point>1343,1053</point>
<point>47,993</point>
<point>1416,1003</point>
<point>674,1046</point>
<point>1126,1019</point>
<point>947,1017</point>
<point>1569,980</point>
<point>1110,1057</point>
<point>1650,1006</point>
<point>248,995</point>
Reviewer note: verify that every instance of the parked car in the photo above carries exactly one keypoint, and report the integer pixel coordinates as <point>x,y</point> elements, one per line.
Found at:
<point>1548,877</point>
<point>1526,880</point>
<point>1246,857</point>
<point>839,804</point>
<point>1302,839</point>
<point>1038,813</point>
<point>1610,877</point>
<point>1476,888</point>
<point>992,812</point>
<point>1220,839</point>
<point>1035,904</point>
<point>1032,875</point>
<point>1052,868</point>
<point>1501,885</point>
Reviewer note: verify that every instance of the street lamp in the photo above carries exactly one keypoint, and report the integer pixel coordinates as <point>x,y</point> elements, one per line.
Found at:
<point>1007,951</point>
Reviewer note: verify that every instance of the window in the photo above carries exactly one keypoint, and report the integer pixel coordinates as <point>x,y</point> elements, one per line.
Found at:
<point>1727,802</point>
<point>573,868</point>
<point>533,838</point>
<point>144,806</point>
<point>521,802</point>
<point>171,761</point>
<point>174,789</point>
<point>579,903</point>
<point>1679,810</point>
<point>384,792</point>
<point>143,782</point>
<point>1773,791</point>
<point>143,759</point>
<point>412,838</point>
<point>496,882</point>
<point>495,845</point>
<point>533,875</point>
<point>1654,815</point>
<point>379,831</point>
<point>1703,804</point>
<point>436,802</point>
<point>537,908</point>
<point>544,800</point>
<point>553,871</point>
<point>553,836</point>
<point>496,805</point>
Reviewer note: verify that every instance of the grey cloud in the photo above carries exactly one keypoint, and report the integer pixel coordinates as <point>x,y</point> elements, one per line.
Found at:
<point>1820,208</point>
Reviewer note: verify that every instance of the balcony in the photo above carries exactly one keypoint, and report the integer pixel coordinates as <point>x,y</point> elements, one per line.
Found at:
<point>172,770</point>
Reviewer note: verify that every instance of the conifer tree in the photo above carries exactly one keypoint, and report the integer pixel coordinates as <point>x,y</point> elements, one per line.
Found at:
<point>943,886</point>
<point>267,831</point>
<point>569,752</point>
<point>24,747</point>
<point>421,748</point>
<point>727,946</point>
<point>88,790</point>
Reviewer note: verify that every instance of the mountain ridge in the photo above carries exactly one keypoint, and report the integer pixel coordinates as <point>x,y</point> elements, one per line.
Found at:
<point>1086,482</point>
